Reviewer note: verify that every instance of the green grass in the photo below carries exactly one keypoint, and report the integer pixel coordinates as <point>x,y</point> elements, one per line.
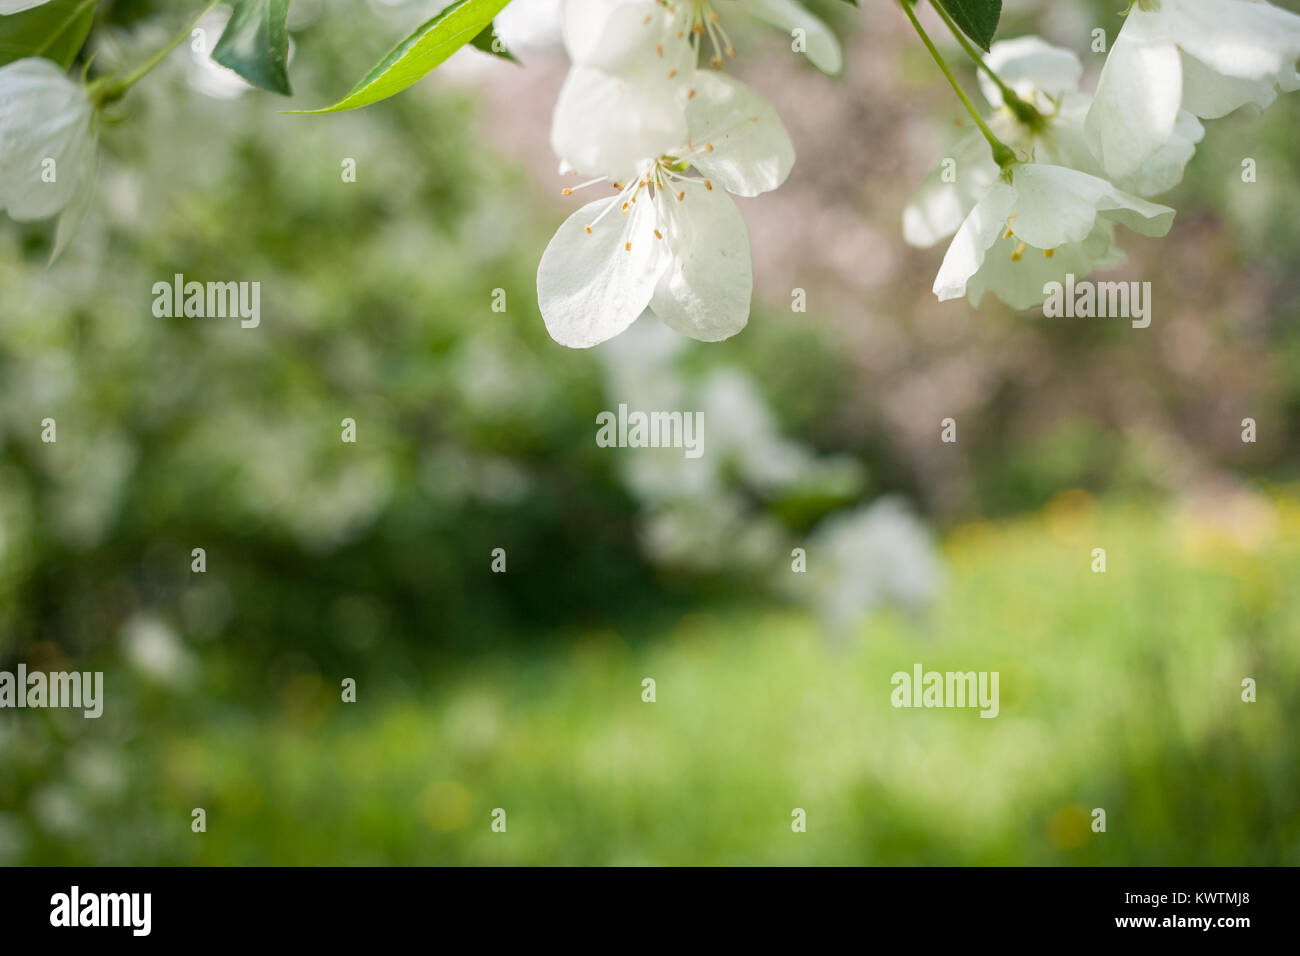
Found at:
<point>1119,690</point>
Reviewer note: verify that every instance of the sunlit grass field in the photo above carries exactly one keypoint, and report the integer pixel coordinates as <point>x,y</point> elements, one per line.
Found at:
<point>1119,690</point>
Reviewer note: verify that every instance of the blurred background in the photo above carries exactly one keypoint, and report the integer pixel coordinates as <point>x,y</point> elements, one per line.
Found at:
<point>523,690</point>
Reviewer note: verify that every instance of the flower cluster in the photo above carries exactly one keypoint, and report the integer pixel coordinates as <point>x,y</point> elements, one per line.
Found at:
<point>1075,165</point>
<point>646,111</point>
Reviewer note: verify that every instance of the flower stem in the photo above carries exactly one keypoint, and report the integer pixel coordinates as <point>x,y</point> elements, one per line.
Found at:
<point>1003,154</point>
<point>113,88</point>
<point>1024,112</point>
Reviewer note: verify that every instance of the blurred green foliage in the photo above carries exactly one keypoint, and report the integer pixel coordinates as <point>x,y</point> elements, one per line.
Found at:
<point>1119,690</point>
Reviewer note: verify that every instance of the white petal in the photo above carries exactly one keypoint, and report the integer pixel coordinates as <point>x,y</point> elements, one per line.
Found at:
<point>1064,141</point>
<point>1056,205</point>
<point>75,211</point>
<point>1031,65</point>
<point>937,207</point>
<point>606,33</point>
<point>592,286</point>
<point>532,24</point>
<point>44,115</point>
<point>1211,95</point>
<point>822,46</point>
<point>18,6</point>
<point>606,125</point>
<point>1245,39</point>
<point>1018,280</point>
<point>977,233</point>
<point>705,292</point>
<point>1138,95</point>
<point>1163,171</point>
<point>751,151</point>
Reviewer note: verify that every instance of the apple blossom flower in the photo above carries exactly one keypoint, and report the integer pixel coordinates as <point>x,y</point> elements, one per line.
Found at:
<point>1046,77</point>
<point>652,37</point>
<point>669,240</point>
<point>1206,56</point>
<point>1038,212</point>
<point>875,554</point>
<point>47,144</point>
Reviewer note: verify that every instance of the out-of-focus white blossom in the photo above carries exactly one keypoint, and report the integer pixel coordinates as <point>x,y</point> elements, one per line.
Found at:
<point>647,38</point>
<point>47,144</point>
<point>530,24</point>
<point>879,553</point>
<point>154,649</point>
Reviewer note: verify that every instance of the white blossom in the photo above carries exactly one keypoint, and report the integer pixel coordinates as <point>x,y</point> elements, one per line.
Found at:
<point>1047,77</point>
<point>1206,56</point>
<point>47,144</point>
<point>651,37</point>
<point>1040,212</point>
<point>530,24</point>
<point>1016,269</point>
<point>668,240</point>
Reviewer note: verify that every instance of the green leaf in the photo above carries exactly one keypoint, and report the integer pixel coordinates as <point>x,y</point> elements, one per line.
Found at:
<point>255,44</point>
<point>978,19</point>
<point>488,41</point>
<point>421,52</point>
<point>57,31</point>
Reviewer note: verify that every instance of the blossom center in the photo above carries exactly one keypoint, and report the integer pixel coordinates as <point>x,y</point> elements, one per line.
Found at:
<point>692,24</point>
<point>668,177</point>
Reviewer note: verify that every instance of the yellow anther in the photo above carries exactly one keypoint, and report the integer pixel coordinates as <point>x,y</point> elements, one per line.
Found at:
<point>1019,251</point>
